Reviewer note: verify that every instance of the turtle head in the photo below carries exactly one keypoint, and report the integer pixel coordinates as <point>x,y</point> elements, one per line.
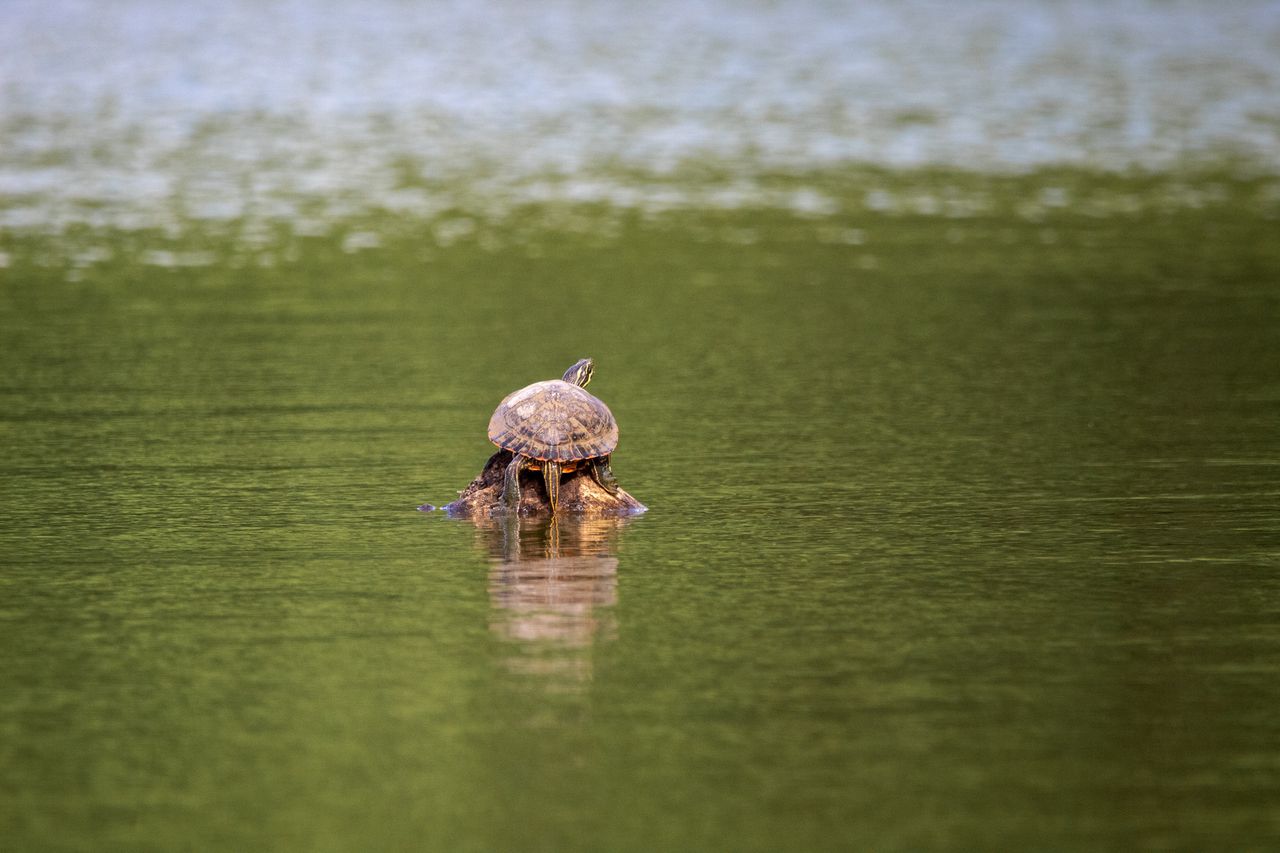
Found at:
<point>580,373</point>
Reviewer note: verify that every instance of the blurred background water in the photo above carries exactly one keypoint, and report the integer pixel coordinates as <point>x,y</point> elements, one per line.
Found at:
<point>943,341</point>
<point>142,115</point>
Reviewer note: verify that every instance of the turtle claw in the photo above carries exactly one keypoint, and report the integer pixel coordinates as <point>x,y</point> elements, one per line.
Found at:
<point>511,485</point>
<point>603,474</point>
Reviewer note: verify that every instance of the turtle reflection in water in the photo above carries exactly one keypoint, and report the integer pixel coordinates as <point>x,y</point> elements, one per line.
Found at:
<point>555,427</point>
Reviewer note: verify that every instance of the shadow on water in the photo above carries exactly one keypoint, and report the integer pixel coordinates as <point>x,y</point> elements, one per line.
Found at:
<point>552,586</point>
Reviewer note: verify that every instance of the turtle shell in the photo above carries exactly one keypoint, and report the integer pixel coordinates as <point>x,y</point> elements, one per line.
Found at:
<point>554,420</point>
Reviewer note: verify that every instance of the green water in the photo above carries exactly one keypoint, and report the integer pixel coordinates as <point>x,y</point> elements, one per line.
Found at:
<point>962,532</point>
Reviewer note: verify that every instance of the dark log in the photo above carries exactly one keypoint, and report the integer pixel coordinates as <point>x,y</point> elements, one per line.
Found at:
<point>580,494</point>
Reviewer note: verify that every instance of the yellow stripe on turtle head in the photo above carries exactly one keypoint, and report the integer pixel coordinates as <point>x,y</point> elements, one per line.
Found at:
<point>580,373</point>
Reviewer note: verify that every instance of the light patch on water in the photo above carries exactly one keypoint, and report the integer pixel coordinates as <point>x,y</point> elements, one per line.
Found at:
<point>358,240</point>
<point>449,231</point>
<point>165,258</point>
<point>143,114</point>
<point>90,256</point>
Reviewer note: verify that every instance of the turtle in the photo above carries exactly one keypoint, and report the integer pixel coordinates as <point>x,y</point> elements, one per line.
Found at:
<point>556,427</point>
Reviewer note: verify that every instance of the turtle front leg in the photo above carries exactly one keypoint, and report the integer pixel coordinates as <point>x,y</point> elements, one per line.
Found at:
<point>603,474</point>
<point>551,474</point>
<point>511,483</point>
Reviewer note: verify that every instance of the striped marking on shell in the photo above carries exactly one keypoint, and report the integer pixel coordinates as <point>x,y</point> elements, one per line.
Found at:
<point>554,420</point>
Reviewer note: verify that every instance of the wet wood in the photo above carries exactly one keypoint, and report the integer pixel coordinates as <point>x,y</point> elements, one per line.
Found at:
<point>580,494</point>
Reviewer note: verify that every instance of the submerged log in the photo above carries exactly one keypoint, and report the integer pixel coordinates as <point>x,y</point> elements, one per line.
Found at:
<point>580,494</point>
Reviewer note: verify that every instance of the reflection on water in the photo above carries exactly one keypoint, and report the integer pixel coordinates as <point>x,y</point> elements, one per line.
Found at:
<point>553,586</point>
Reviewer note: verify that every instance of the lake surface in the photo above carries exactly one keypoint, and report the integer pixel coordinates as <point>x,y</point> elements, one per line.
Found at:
<point>964,478</point>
